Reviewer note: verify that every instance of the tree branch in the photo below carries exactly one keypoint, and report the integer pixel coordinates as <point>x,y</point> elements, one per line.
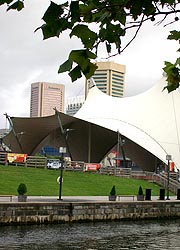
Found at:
<point>140,24</point>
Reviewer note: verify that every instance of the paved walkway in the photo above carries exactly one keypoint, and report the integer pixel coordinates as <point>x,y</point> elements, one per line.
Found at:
<point>78,199</point>
<point>56,199</point>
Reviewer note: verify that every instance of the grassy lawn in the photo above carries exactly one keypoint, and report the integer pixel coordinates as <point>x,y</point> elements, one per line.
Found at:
<point>43,182</point>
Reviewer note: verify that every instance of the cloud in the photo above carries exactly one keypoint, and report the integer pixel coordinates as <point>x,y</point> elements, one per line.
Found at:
<point>26,58</point>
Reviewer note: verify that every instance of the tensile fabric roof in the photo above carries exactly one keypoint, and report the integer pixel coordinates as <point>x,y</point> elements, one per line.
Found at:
<point>151,119</point>
<point>148,123</point>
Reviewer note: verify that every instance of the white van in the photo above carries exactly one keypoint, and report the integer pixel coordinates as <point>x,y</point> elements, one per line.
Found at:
<point>53,164</point>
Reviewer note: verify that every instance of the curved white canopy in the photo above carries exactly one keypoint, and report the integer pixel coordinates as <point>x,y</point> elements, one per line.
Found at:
<point>150,119</point>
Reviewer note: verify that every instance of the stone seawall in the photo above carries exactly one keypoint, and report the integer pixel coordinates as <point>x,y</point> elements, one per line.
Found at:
<point>39,213</point>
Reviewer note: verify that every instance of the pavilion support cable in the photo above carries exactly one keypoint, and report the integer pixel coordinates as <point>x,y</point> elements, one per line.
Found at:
<point>175,117</point>
<point>14,132</point>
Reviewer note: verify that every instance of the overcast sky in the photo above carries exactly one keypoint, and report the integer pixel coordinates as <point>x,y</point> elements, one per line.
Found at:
<point>25,58</point>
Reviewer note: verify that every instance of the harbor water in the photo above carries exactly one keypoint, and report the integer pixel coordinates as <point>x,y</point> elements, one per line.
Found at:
<point>118,235</point>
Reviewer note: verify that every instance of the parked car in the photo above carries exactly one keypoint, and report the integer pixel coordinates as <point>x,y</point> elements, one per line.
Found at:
<point>53,164</point>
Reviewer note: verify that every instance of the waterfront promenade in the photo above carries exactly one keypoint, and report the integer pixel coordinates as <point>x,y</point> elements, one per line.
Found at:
<point>54,199</point>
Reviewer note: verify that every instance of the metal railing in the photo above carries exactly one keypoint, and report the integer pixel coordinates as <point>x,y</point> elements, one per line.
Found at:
<point>173,184</point>
<point>3,158</point>
<point>74,166</point>
<point>36,162</point>
<point>116,171</point>
<point>161,178</point>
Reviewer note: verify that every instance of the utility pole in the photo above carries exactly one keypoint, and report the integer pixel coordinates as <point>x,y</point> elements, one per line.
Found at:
<point>168,158</point>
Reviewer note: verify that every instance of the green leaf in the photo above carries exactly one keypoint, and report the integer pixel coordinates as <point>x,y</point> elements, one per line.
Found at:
<point>85,12</point>
<point>87,36</point>
<point>167,1</point>
<point>171,86</point>
<point>75,13</point>
<point>5,1</point>
<point>75,73</point>
<point>148,8</point>
<point>54,29</point>
<point>90,70</point>
<point>48,31</point>
<point>53,13</point>
<point>80,57</point>
<point>91,55</point>
<point>177,61</point>
<point>103,34</point>
<point>173,76</point>
<point>175,35</point>
<point>112,34</point>
<point>167,66</point>
<point>55,22</point>
<point>18,5</point>
<point>136,9</point>
<point>120,16</point>
<point>66,66</point>
<point>100,16</point>
<point>108,47</point>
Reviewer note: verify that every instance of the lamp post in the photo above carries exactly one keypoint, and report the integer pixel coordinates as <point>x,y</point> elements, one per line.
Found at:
<point>62,150</point>
<point>168,158</point>
<point>123,153</point>
<point>118,152</point>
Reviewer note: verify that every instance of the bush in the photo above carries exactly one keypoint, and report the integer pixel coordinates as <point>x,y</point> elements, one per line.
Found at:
<point>113,191</point>
<point>22,189</point>
<point>140,192</point>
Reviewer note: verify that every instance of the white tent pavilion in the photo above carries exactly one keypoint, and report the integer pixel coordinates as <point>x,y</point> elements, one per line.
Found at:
<point>149,123</point>
<point>150,119</point>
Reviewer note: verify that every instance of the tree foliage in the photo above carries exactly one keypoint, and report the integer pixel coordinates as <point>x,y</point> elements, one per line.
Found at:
<point>105,22</point>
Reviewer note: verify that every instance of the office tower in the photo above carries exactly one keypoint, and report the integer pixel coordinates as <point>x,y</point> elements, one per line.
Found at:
<point>45,97</point>
<point>74,104</point>
<point>109,78</point>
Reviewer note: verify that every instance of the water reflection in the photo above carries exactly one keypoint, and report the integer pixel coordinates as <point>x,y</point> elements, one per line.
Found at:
<point>141,235</point>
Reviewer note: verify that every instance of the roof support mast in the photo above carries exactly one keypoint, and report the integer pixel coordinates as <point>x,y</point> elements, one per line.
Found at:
<point>63,131</point>
<point>14,132</point>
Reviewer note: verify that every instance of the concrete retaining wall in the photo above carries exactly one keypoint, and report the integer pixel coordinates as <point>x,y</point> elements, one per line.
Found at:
<point>38,213</point>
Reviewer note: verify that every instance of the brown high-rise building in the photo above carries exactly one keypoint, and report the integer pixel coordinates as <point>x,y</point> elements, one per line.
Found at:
<point>109,78</point>
<point>45,97</point>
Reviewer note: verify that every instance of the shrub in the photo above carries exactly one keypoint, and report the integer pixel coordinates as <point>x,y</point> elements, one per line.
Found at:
<point>22,189</point>
<point>140,191</point>
<point>113,191</point>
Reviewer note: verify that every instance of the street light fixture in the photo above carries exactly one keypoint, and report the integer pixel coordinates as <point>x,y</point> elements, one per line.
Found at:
<point>62,150</point>
<point>168,158</point>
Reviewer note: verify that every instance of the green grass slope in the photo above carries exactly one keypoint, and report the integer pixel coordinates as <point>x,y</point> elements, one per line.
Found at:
<point>44,182</point>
